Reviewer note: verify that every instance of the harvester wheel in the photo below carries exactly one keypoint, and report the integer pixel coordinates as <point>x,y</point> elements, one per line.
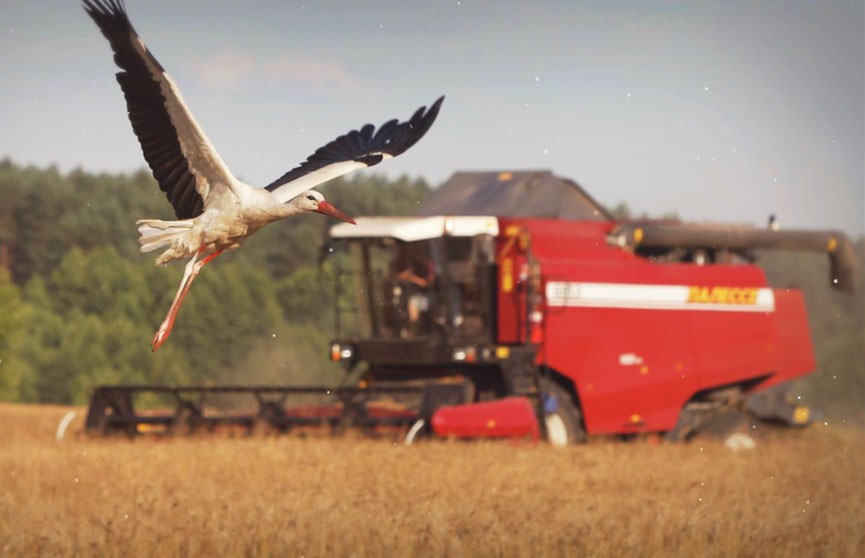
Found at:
<point>563,420</point>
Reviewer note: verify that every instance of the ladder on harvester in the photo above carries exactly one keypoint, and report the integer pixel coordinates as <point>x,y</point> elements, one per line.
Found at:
<point>524,378</point>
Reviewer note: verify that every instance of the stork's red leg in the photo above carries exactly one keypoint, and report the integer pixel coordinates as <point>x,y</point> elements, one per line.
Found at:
<point>189,275</point>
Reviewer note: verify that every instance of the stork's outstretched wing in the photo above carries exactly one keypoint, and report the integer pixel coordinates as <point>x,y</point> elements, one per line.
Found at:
<point>183,161</point>
<point>355,150</point>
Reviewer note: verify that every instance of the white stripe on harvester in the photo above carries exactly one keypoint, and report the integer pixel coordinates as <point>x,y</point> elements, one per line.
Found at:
<point>660,297</point>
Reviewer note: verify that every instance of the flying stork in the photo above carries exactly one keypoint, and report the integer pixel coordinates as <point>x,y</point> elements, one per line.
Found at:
<point>216,211</point>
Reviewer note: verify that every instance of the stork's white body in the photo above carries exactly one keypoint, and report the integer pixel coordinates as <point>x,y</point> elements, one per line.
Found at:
<point>223,225</point>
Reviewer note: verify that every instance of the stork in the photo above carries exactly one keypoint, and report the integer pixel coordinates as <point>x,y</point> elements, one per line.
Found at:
<point>215,211</point>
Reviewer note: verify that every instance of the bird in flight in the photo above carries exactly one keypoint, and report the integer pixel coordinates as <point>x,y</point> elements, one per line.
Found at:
<point>216,211</point>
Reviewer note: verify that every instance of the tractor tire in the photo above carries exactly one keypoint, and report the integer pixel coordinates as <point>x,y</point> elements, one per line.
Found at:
<point>564,425</point>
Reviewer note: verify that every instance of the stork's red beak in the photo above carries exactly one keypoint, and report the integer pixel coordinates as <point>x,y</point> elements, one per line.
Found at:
<point>326,208</point>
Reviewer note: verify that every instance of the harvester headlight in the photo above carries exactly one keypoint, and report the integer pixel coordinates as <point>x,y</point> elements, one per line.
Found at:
<point>468,354</point>
<point>341,352</point>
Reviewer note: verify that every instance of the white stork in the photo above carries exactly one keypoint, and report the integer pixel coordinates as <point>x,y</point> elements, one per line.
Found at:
<point>215,210</point>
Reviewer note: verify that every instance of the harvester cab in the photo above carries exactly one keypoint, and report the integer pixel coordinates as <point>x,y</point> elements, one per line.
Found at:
<point>421,289</point>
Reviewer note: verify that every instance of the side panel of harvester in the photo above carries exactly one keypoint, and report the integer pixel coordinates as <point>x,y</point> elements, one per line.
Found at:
<point>796,351</point>
<point>640,339</point>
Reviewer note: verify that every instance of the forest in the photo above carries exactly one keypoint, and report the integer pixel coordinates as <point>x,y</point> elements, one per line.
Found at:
<point>79,303</point>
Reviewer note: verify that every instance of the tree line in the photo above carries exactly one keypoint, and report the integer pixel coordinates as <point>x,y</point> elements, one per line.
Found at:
<point>79,303</point>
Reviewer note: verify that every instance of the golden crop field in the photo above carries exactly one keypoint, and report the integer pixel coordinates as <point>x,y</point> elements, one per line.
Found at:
<point>799,493</point>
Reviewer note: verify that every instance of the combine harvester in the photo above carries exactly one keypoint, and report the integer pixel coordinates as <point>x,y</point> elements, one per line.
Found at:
<point>516,305</point>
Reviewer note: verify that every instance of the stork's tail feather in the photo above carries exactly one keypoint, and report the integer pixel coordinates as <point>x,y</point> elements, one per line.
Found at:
<point>157,234</point>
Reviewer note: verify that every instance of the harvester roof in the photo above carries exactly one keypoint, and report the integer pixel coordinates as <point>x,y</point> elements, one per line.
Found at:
<point>409,229</point>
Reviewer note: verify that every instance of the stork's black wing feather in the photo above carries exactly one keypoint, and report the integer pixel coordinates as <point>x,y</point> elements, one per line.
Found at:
<point>146,104</point>
<point>357,149</point>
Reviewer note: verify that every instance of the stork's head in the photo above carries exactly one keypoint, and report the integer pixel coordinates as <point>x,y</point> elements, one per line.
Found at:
<point>314,201</point>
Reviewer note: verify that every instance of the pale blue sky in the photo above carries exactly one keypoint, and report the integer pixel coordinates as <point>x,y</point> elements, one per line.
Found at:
<point>724,111</point>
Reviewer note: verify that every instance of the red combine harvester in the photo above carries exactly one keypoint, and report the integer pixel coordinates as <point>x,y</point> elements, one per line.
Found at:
<point>515,305</point>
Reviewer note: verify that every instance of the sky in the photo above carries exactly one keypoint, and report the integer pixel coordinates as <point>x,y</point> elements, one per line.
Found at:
<point>717,111</point>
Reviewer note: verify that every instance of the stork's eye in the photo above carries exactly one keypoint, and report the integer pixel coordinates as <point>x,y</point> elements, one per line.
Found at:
<point>310,197</point>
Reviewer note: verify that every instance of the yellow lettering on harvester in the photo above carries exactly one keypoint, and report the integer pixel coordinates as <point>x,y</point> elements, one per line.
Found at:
<point>723,295</point>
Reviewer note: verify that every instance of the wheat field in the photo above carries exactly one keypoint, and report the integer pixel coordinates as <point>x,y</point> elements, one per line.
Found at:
<point>798,493</point>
